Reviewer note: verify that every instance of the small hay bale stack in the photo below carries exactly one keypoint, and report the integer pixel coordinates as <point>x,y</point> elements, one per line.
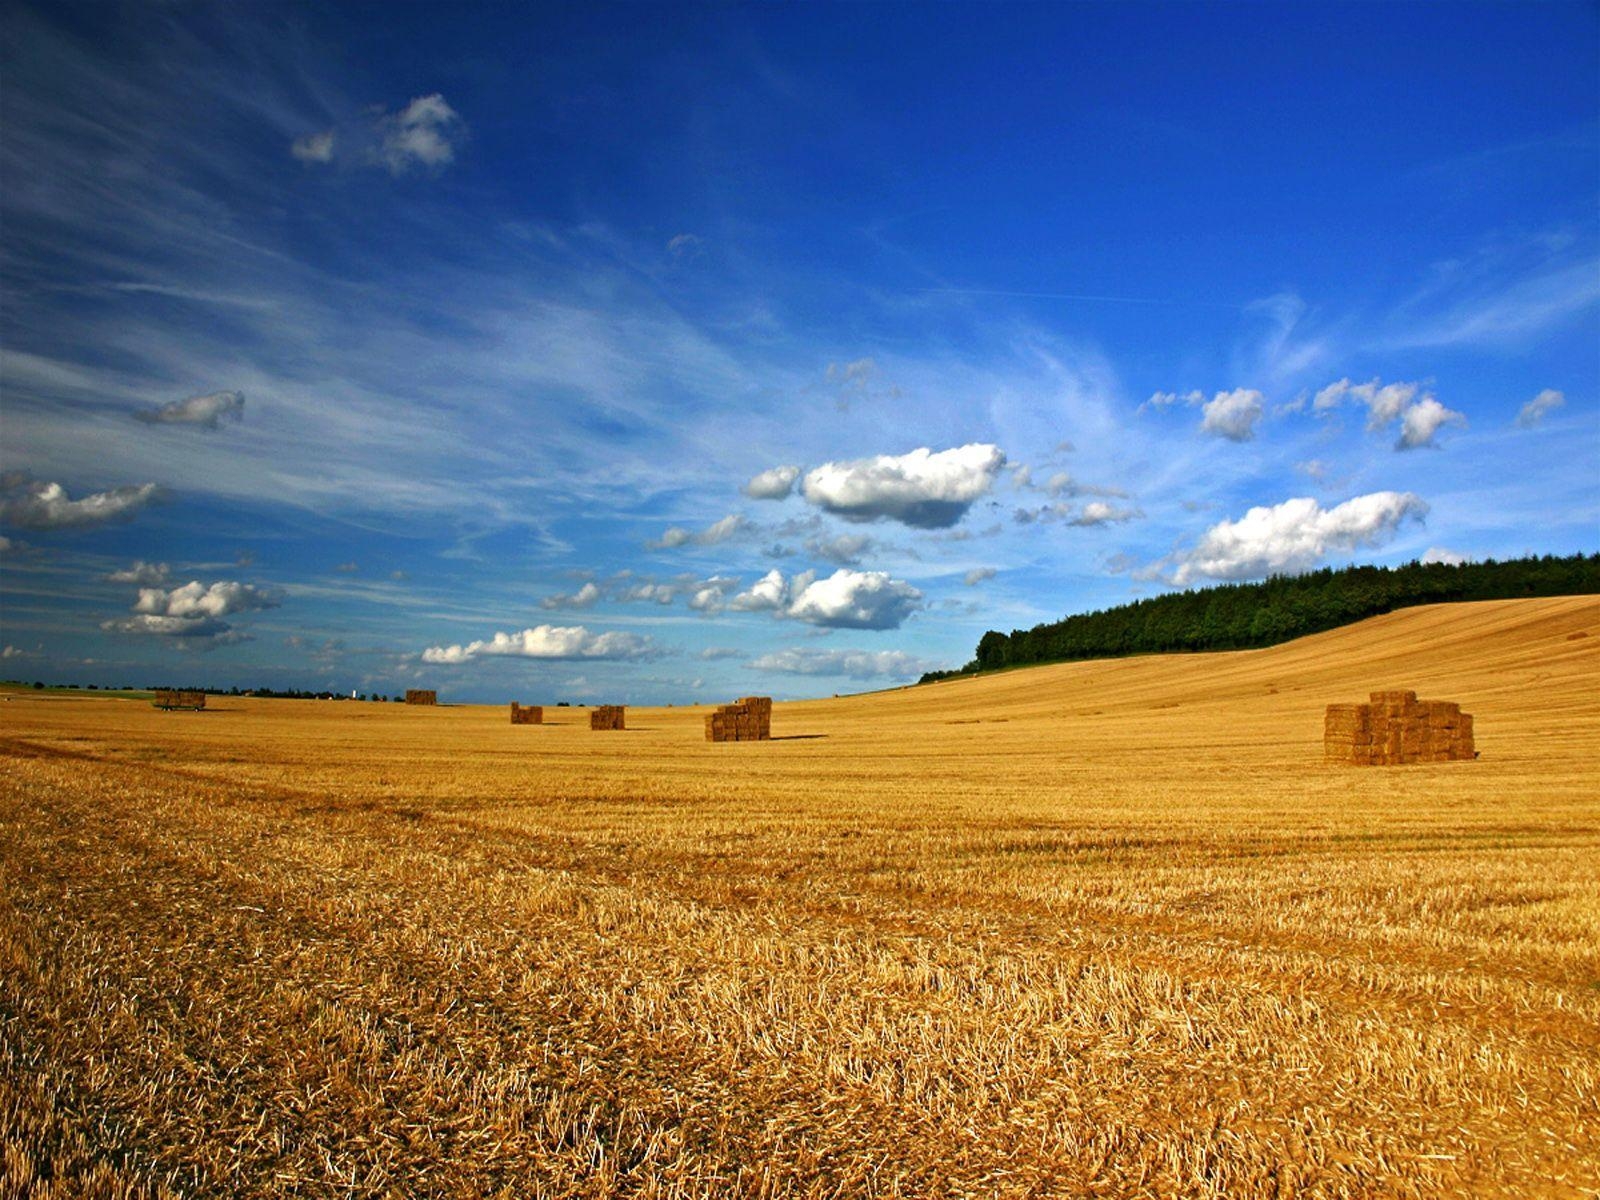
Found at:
<point>421,696</point>
<point>608,716</point>
<point>1395,727</point>
<point>745,720</point>
<point>527,714</point>
<point>168,699</point>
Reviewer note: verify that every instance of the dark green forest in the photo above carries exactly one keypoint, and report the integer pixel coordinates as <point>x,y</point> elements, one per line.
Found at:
<point>1243,616</point>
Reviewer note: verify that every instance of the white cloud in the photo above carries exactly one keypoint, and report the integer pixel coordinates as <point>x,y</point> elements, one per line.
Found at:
<point>845,550</point>
<point>1233,415</point>
<point>584,597</point>
<point>856,664</point>
<point>1294,536</point>
<point>712,653</point>
<point>855,600</point>
<point>314,147</point>
<point>554,642</point>
<point>1022,476</point>
<point>773,484</point>
<point>1422,420</point>
<point>195,599</point>
<point>921,489</point>
<point>719,531</point>
<point>710,595</point>
<point>1438,554</point>
<point>844,600</point>
<point>143,573</point>
<point>684,245</point>
<point>421,134</point>
<point>977,575</point>
<point>30,503</point>
<point>194,611</point>
<point>769,593</point>
<point>1168,399</point>
<point>1098,512</point>
<point>206,411</point>
<point>1419,419</point>
<point>1534,410</point>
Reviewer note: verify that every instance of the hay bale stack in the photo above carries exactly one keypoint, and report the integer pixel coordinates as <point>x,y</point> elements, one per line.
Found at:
<point>607,716</point>
<point>421,696</point>
<point>527,714</point>
<point>169,698</point>
<point>1395,727</point>
<point>748,719</point>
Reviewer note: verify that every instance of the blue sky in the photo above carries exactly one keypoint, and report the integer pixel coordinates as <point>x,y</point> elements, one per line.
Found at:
<point>669,353</point>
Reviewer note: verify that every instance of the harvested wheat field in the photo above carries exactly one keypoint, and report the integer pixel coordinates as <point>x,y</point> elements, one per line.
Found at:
<point>1101,929</point>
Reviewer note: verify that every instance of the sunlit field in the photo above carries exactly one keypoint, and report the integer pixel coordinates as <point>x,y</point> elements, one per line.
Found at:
<point>1108,928</point>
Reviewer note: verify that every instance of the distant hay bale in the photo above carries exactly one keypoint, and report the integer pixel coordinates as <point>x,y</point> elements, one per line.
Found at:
<point>748,719</point>
<point>421,696</point>
<point>169,698</point>
<point>1393,728</point>
<point>527,714</point>
<point>608,716</point>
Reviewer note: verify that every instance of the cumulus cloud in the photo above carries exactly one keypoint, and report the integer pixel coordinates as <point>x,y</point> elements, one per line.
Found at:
<point>584,597</point>
<point>143,573</point>
<point>855,664</point>
<point>314,147</point>
<point>14,652</point>
<point>977,575</point>
<point>844,600</point>
<point>195,599</point>
<point>769,593</point>
<point>920,489</point>
<point>855,600</point>
<point>720,531</point>
<point>710,595</point>
<point>206,411</point>
<point>1294,536</point>
<point>1422,420</point>
<point>552,642</point>
<point>1534,410</point>
<point>1098,512</point>
<point>773,484</point>
<point>422,134</point>
<point>845,550</point>
<point>29,503</point>
<point>1438,554</point>
<point>194,611</point>
<point>1232,415</point>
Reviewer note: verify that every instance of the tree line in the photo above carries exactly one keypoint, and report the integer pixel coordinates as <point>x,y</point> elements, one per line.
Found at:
<point>1244,616</point>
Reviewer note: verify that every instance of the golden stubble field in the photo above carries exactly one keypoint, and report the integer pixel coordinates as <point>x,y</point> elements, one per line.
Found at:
<point>1107,929</point>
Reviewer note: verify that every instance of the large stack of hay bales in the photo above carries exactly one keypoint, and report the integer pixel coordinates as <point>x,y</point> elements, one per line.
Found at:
<point>745,720</point>
<point>1396,727</point>
<point>607,716</point>
<point>527,714</point>
<point>421,696</point>
<point>167,698</point>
